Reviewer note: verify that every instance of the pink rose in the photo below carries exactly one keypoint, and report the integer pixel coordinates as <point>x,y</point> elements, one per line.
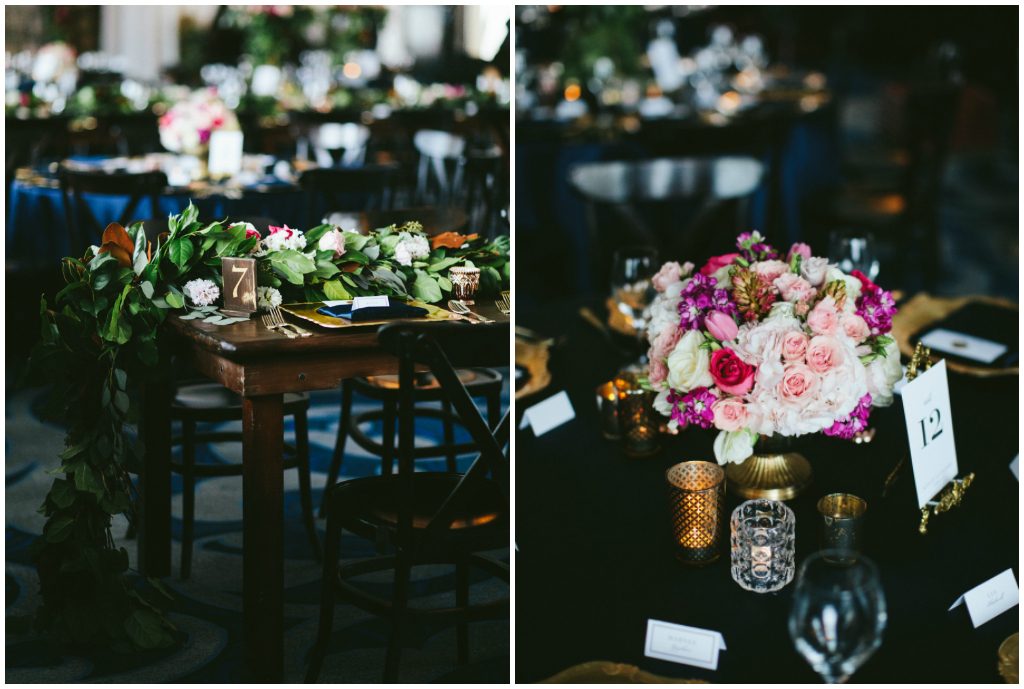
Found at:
<point>823,318</point>
<point>670,273</point>
<point>250,233</point>
<point>770,270</point>
<point>730,414</point>
<point>665,342</point>
<point>824,353</point>
<point>715,263</point>
<point>855,327</point>
<point>794,346</point>
<point>721,326</point>
<point>801,308</point>
<point>793,287</point>
<point>798,249</point>
<point>798,383</point>
<point>657,371</point>
<point>730,373</point>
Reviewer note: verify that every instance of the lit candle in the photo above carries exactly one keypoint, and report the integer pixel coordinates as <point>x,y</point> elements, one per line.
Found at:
<point>697,500</point>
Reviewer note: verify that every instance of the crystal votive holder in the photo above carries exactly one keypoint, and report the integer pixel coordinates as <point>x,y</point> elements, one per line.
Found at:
<point>465,282</point>
<point>608,396</point>
<point>762,543</point>
<point>641,433</point>
<point>842,515</point>
<point>697,505</point>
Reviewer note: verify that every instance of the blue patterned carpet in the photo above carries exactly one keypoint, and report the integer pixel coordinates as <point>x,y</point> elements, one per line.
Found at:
<point>208,605</point>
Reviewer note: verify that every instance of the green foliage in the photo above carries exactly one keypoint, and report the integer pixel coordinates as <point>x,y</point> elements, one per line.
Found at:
<point>100,338</point>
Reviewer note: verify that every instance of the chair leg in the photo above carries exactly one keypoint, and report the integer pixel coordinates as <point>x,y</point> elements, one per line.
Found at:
<point>398,602</point>
<point>188,494</point>
<point>494,409</point>
<point>339,443</point>
<point>449,437</point>
<point>462,601</point>
<point>330,573</point>
<point>305,489</point>
<point>387,458</point>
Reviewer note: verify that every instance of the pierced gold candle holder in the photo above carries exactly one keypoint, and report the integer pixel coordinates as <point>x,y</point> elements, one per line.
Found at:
<point>641,434</point>
<point>697,506</point>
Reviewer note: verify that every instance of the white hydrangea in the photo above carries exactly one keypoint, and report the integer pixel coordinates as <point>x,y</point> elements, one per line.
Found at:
<point>202,292</point>
<point>411,247</point>
<point>267,297</point>
<point>281,238</point>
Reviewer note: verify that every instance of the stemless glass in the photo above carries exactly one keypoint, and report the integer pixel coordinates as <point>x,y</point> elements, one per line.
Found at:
<point>852,251</point>
<point>838,613</point>
<point>632,270</point>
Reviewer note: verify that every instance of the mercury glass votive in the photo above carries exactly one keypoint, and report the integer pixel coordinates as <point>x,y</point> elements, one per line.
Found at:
<point>641,434</point>
<point>762,543</point>
<point>608,397</point>
<point>697,506</point>
<point>842,515</point>
<point>465,282</point>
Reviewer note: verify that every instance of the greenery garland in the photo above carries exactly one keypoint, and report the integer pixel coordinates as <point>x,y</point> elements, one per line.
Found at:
<point>102,337</point>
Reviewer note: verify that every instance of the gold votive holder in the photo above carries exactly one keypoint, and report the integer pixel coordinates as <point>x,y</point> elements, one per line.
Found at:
<point>608,397</point>
<point>842,516</point>
<point>465,282</point>
<point>641,433</point>
<point>697,506</point>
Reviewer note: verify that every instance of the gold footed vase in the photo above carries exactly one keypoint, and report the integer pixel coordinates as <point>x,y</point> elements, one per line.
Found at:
<point>773,472</point>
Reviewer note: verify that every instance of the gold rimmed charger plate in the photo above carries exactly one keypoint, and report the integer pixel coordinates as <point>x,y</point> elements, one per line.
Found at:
<point>307,312</point>
<point>1009,659</point>
<point>532,353</point>
<point>923,310</point>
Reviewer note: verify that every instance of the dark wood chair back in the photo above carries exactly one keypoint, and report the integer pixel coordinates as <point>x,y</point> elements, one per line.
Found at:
<point>333,189</point>
<point>83,225</point>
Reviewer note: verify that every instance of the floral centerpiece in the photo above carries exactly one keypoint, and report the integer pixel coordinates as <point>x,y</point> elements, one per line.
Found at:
<point>762,344</point>
<point>186,127</point>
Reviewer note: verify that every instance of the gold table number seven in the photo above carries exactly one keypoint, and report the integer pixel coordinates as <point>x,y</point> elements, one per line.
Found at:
<point>239,277</point>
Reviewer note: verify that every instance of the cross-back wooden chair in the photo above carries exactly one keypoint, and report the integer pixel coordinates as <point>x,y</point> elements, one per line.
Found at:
<point>333,189</point>
<point>425,517</point>
<point>83,225</point>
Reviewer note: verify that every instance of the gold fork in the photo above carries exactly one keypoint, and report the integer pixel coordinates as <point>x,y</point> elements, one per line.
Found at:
<point>278,318</point>
<point>271,325</point>
<point>503,303</point>
<point>459,307</point>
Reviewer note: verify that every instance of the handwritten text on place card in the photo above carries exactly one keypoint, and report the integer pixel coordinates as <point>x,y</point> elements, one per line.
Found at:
<point>930,431</point>
<point>960,344</point>
<point>549,414</point>
<point>991,598</point>
<point>681,644</point>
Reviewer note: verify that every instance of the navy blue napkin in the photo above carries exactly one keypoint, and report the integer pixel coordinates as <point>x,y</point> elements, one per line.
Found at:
<point>395,309</point>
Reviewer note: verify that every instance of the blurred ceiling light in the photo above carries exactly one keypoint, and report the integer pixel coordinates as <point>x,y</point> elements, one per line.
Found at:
<point>572,92</point>
<point>729,102</point>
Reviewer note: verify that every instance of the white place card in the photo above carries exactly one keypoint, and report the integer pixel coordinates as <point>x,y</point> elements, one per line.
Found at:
<point>681,644</point>
<point>549,414</point>
<point>990,599</point>
<point>369,302</point>
<point>961,344</point>
<point>930,431</point>
<point>225,153</point>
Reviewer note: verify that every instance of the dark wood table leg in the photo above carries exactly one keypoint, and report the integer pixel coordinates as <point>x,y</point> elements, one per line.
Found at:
<point>263,546</point>
<point>155,497</point>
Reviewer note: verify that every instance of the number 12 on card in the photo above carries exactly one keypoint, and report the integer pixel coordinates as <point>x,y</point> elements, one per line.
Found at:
<point>930,432</point>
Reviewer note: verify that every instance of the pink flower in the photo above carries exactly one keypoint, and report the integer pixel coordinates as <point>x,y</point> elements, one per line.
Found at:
<point>717,262</point>
<point>823,318</point>
<point>800,249</point>
<point>824,353</point>
<point>288,232</point>
<point>770,270</point>
<point>794,346</point>
<point>798,383</point>
<point>251,232</point>
<point>855,327</point>
<point>794,288</point>
<point>658,370</point>
<point>730,373</point>
<point>730,414</point>
<point>670,273</point>
<point>801,308</point>
<point>721,326</point>
<point>665,342</point>
<point>334,240</point>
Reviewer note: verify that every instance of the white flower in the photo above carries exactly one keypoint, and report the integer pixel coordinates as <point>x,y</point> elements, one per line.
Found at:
<point>201,292</point>
<point>267,297</point>
<point>281,238</point>
<point>333,241</point>
<point>688,364</point>
<point>852,286</point>
<point>883,373</point>
<point>734,446</point>
<point>813,270</point>
<point>411,247</point>
<point>721,276</point>
<point>781,310</point>
<point>662,313</point>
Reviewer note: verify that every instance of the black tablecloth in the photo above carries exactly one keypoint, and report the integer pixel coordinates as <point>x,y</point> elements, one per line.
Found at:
<point>595,559</point>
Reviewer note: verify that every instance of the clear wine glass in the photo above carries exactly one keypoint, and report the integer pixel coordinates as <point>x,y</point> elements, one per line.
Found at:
<point>632,270</point>
<point>838,614</point>
<point>853,251</point>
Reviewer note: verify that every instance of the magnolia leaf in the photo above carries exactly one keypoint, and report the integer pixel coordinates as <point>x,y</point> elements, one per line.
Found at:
<point>147,289</point>
<point>326,269</point>
<point>121,402</point>
<point>174,300</point>
<point>355,241</point>
<point>333,289</point>
<point>445,283</point>
<point>425,288</point>
<point>180,251</point>
<point>443,263</point>
<point>122,378</point>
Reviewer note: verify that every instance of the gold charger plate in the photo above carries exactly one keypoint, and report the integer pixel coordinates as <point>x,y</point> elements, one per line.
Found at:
<point>605,672</point>
<point>307,312</point>
<point>1009,659</point>
<point>532,353</point>
<point>923,309</point>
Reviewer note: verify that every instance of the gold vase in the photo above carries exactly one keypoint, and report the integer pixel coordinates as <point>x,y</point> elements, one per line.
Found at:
<point>773,472</point>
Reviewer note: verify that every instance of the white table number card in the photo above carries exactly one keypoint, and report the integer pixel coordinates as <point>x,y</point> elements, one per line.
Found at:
<point>681,644</point>
<point>930,431</point>
<point>991,598</point>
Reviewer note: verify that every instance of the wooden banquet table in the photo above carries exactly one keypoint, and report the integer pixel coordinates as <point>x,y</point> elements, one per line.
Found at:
<point>595,559</point>
<point>260,366</point>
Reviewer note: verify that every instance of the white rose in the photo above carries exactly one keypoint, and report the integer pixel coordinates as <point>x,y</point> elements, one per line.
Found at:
<point>883,374</point>
<point>333,241</point>
<point>734,446</point>
<point>662,313</point>
<point>688,364</point>
<point>852,286</point>
<point>781,310</point>
<point>813,270</point>
<point>662,406</point>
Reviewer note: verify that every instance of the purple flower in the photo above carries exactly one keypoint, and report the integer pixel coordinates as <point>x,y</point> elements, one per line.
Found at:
<point>699,298</point>
<point>753,247</point>
<point>693,408</point>
<point>875,305</point>
<point>857,421</point>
